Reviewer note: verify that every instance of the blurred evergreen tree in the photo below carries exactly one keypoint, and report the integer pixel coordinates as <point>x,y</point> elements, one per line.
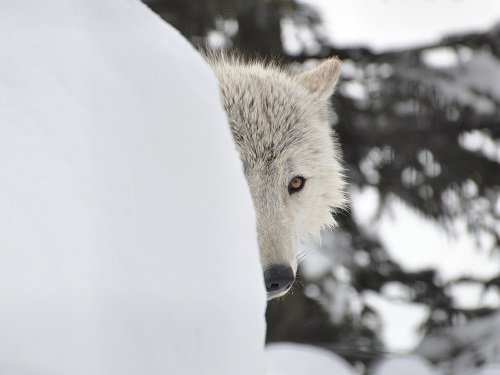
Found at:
<point>405,133</point>
<point>253,27</point>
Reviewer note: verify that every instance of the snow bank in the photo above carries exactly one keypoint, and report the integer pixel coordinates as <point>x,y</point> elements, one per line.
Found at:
<point>296,359</point>
<point>127,240</point>
<point>408,365</point>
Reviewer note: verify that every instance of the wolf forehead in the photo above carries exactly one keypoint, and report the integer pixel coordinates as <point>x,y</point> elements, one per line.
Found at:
<point>269,112</point>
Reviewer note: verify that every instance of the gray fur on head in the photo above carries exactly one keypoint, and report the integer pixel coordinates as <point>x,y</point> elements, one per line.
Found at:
<point>282,128</point>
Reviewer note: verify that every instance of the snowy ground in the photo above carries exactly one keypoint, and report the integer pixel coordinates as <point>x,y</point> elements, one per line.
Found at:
<point>295,359</point>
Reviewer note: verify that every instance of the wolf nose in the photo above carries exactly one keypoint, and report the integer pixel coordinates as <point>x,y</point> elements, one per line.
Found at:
<point>278,278</point>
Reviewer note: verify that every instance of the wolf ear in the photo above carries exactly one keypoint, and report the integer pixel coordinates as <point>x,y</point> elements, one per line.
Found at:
<point>322,79</point>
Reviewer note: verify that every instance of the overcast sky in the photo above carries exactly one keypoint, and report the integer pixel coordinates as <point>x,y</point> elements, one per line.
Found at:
<point>391,24</point>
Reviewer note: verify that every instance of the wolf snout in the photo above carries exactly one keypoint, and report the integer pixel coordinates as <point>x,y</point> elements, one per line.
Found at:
<point>278,279</point>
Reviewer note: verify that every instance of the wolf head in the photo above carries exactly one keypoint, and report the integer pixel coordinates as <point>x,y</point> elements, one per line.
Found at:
<point>282,128</point>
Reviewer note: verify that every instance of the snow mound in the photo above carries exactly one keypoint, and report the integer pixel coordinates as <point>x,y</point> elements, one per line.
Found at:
<point>127,234</point>
<point>408,365</point>
<point>297,359</point>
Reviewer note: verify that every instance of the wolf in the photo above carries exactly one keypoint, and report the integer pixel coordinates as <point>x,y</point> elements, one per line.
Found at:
<point>281,124</point>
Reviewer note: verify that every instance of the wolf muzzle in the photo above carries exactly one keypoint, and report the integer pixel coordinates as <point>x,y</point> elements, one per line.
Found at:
<point>278,279</point>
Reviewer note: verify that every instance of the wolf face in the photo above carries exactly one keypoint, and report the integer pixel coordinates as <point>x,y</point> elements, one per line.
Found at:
<point>282,129</point>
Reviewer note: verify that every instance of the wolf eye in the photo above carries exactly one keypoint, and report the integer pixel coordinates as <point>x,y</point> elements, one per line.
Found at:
<point>296,184</point>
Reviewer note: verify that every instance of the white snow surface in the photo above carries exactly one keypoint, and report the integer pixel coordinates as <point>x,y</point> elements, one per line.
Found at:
<point>407,365</point>
<point>127,234</point>
<point>298,359</point>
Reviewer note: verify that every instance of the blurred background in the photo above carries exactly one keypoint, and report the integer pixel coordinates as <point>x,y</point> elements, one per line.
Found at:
<point>415,264</point>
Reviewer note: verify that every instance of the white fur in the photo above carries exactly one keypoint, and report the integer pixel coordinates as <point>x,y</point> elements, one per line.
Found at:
<point>282,128</point>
